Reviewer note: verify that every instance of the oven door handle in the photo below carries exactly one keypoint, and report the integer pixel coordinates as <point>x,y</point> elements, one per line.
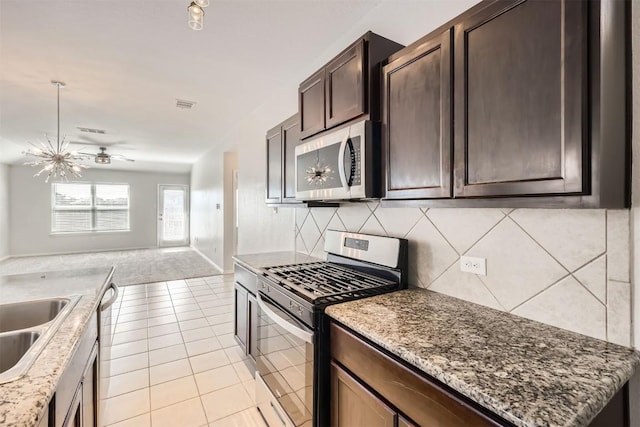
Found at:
<point>287,324</point>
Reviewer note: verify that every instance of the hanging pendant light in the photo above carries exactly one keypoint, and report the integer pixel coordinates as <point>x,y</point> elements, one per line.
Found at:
<point>54,159</point>
<point>196,16</point>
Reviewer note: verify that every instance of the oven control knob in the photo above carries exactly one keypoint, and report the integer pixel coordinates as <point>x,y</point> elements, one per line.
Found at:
<point>299,311</point>
<point>291,305</point>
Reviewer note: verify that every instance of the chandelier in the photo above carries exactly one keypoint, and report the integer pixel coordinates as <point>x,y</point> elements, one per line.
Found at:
<point>196,14</point>
<point>55,160</point>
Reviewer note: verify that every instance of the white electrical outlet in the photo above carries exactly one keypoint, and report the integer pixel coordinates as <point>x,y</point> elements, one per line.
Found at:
<point>473,265</point>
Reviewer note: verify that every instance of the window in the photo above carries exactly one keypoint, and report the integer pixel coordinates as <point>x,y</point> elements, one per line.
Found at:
<point>79,207</point>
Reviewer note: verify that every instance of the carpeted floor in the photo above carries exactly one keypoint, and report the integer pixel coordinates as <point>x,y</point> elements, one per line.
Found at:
<point>132,267</point>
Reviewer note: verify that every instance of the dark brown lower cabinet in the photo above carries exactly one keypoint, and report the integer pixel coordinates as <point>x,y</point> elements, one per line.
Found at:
<point>353,405</point>
<point>372,389</point>
<point>245,321</point>
<point>240,316</point>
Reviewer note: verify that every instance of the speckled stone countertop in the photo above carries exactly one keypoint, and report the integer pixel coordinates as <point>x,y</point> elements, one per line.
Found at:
<point>255,262</point>
<point>23,401</point>
<point>529,373</point>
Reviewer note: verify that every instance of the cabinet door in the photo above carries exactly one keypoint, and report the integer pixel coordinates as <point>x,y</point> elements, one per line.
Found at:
<point>240,316</point>
<point>353,405</point>
<point>74,415</point>
<point>311,105</point>
<point>417,121</point>
<point>290,139</point>
<point>90,396</point>
<point>252,328</point>
<point>344,86</point>
<point>274,165</point>
<point>520,99</point>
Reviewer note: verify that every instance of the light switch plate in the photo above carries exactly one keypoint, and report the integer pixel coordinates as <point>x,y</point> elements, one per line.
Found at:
<point>473,265</point>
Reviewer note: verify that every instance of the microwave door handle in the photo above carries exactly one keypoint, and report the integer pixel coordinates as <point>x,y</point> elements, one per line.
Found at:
<point>284,323</point>
<point>341,170</point>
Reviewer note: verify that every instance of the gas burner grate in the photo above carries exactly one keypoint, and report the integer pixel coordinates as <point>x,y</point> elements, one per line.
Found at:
<point>329,282</point>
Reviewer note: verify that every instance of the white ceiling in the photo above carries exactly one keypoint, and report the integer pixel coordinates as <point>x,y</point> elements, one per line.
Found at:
<point>126,62</point>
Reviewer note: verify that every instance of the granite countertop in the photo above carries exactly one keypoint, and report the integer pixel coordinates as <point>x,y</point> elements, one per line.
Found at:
<point>23,401</point>
<point>255,262</point>
<point>527,372</point>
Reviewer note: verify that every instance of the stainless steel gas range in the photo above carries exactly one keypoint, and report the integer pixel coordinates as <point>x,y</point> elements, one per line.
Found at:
<point>293,343</point>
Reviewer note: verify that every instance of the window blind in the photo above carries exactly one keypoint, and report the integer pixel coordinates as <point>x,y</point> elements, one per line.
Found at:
<point>89,207</point>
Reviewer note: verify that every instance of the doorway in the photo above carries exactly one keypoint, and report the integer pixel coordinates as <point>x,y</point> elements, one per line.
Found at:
<point>173,215</point>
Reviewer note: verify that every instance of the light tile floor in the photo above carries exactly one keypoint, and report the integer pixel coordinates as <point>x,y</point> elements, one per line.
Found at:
<point>173,360</point>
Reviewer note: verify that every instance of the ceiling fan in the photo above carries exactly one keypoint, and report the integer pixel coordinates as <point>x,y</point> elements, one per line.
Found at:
<point>103,158</point>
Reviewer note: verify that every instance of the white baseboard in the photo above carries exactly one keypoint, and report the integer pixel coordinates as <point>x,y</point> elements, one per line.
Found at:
<point>6,257</point>
<point>209,260</point>
<point>83,252</point>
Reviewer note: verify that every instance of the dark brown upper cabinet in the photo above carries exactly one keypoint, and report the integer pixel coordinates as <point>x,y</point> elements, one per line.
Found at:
<point>290,140</point>
<point>416,117</point>
<point>537,115</point>
<point>274,165</point>
<point>346,88</point>
<point>311,104</point>
<point>281,144</point>
<point>521,99</point>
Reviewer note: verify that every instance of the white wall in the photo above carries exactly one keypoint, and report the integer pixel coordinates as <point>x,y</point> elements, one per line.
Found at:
<point>4,211</point>
<point>263,229</point>
<point>212,207</point>
<point>207,192</point>
<point>30,213</point>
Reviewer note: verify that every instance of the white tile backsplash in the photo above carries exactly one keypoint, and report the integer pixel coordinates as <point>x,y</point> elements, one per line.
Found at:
<point>464,227</point>
<point>563,233</point>
<point>565,267</point>
<point>619,312</point>
<point>618,237</point>
<point>430,253</point>
<point>517,267</point>
<point>594,277</point>
<point>567,305</point>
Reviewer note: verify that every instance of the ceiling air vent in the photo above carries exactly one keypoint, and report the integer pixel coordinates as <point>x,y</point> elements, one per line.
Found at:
<point>90,130</point>
<point>187,105</point>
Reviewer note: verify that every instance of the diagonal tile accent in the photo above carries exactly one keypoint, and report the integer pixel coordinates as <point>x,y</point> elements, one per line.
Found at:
<point>463,227</point>
<point>310,233</point>
<point>301,216</point>
<point>398,221</point>
<point>300,246</point>
<point>517,267</point>
<point>322,216</point>
<point>429,252</point>
<point>562,233</point>
<point>373,206</point>
<point>372,226</point>
<point>585,314</point>
<point>465,286</point>
<point>335,224</point>
<point>354,215</point>
<point>594,277</point>
<point>318,250</point>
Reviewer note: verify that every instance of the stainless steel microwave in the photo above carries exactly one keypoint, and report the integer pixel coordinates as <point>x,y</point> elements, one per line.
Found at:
<point>340,165</point>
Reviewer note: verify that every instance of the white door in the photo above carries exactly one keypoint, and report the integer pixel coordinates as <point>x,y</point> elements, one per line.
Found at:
<point>173,215</point>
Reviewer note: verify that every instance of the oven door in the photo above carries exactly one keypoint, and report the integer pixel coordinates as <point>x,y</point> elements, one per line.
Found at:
<point>331,167</point>
<point>285,366</point>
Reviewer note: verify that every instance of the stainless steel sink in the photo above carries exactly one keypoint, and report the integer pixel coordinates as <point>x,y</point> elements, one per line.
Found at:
<point>25,329</point>
<point>23,315</point>
<point>14,346</point>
